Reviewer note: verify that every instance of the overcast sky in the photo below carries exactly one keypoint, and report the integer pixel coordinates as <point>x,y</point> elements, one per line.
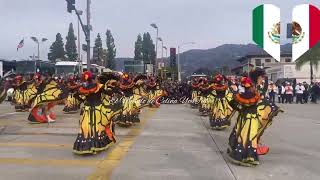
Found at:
<point>209,23</point>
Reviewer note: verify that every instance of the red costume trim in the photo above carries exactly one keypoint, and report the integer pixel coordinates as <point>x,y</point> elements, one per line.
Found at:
<point>84,91</point>
<point>249,101</point>
<point>219,87</point>
<point>123,86</point>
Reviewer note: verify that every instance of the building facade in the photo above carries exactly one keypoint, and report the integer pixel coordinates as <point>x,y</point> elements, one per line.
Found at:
<point>133,66</point>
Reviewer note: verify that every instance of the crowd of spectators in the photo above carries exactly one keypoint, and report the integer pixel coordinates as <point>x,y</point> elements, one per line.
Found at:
<point>289,93</point>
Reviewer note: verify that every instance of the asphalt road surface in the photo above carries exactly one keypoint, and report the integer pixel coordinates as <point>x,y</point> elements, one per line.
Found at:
<point>171,143</point>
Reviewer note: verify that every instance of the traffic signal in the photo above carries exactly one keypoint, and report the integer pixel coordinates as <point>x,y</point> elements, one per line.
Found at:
<point>84,47</point>
<point>71,5</point>
<point>173,58</point>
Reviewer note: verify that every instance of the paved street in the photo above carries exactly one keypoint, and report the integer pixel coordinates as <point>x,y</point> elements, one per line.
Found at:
<point>172,142</point>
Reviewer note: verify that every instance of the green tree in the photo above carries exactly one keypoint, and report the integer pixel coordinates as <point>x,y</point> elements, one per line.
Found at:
<point>138,49</point>
<point>311,57</point>
<point>111,51</point>
<point>148,49</point>
<point>57,49</point>
<point>71,47</point>
<point>97,50</point>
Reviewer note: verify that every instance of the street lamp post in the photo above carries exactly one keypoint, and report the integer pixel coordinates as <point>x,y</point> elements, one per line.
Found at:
<point>160,39</point>
<point>161,68</point>
<point>157,28</point>
<point>179,66</point>
<point>35,39</point>
<point>165,47</point>
<point>88,34</point>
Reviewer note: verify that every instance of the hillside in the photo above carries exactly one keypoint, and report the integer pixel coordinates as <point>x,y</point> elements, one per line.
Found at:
<point>224,55</point>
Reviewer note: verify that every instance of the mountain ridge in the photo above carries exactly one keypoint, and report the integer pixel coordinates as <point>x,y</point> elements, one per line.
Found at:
<point>213,58</point>
<point>220,56</point>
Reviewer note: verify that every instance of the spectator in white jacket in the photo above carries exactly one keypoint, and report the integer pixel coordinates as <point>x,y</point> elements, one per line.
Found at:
<point>299,92</point>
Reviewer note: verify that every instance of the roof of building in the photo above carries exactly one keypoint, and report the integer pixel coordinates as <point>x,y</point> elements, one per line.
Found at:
<point>260,56</point>
<point>7,60</point>
<point>67,63</point>
<point>241,66</point>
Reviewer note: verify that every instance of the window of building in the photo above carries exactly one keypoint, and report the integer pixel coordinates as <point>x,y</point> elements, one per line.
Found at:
<point>288,60</point>
<point>268,60</point>
<point>258,62</point>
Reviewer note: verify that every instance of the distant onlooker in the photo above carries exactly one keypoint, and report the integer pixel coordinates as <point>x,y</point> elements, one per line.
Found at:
<point>272,91</point>
<point>306,92</point>
<point>314,92</point>
<point>234,87</point>
<point>299,93</point>
<point>288,92</point>
<point>281,93</point>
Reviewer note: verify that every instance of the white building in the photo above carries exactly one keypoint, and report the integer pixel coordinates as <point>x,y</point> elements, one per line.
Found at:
<point>67,67</point>
<point>289,70</point>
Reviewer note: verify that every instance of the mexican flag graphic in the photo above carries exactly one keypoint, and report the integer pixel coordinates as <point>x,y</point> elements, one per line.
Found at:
<point>305,29</point>
<point>266,29</point>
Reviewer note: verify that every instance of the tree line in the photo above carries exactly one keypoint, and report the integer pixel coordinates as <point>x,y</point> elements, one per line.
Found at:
<point>105,56</point>
<point>145,49</point>
<point>68,52</point>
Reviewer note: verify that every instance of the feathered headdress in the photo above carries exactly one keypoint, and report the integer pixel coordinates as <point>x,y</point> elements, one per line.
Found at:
<point>140,77</point>
<point>219,79</point>
<point>246,82</point>
<point>106,76</point>
<point>87,76</point>
<point>256,73</point>
<point>37,76</point>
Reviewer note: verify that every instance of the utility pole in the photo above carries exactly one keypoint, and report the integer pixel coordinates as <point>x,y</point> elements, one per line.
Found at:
<point>39,51</point>
<point>156,60</point>
<point>88,35</point>
<point>179,74</point>
<point>86,28</point>
<point>79,45</point>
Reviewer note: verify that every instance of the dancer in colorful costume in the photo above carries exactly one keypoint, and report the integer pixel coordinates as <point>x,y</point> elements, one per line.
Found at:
<point>71,103</point>
<point>155,91</point>
<point>140,96</point>
<point>96,131</point>
<point>3,87</point>
<point>195,92</point>
<point>204,91</point>
<point>20,98</point>
<point>267,109</point>
<point>49,92</point>
<point>243,141</point>
<point>129,106</point>
<point>219,98</point>
<point>24,91</point>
